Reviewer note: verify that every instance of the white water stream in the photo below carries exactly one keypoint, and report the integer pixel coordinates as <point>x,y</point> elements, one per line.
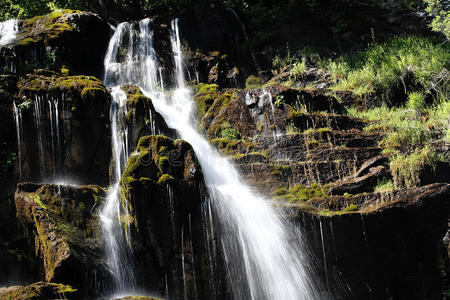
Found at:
<point>263,253</point>
<point>8,31</point>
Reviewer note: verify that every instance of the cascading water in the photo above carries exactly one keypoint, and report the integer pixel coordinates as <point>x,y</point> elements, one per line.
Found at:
<point>18,121</point>
<point>8,31</point>
<point>131,67</point>
<point>261,250</point>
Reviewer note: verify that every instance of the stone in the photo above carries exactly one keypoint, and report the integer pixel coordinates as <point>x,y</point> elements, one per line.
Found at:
<point>62,224</point>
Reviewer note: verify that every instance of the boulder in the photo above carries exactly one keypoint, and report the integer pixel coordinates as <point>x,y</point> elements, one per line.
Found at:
<point>71,40</point>
<point>65,134</point>
<point>63,224</point>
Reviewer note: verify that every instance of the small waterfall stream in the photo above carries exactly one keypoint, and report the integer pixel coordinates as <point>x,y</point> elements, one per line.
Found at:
<point>8,31</point>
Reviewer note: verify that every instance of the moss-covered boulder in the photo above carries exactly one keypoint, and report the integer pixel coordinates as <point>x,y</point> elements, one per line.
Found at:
<point>39,291</point>
<point>65,132</point>
<point>62,223</point>
<point>67,40</point>
<point>142,119</point>
<point>164,190</point>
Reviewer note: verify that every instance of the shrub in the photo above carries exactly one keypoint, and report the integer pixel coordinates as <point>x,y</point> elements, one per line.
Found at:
<point>416,100</point>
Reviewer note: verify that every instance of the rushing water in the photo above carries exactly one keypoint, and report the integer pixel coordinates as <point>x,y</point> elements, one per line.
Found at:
<point>258,243</point>
<point>18,121</point>
<point>8,31</point>
<point>263,254</point>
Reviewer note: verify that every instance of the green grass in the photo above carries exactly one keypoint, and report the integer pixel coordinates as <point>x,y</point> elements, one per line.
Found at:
<point>406,168</point>
<point>384,185</point>
<point>378,69</point>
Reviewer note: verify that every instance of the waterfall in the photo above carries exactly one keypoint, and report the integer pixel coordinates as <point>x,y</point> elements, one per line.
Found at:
<point>130,59</point>
<point>263,253</point>
<point>8,31</point>
<point>18,121</point>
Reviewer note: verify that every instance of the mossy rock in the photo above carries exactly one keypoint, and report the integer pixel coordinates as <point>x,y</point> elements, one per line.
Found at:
<point>63,223</point>
<point>38,290</point>
<point>68,40</point>
<point>159,158</point>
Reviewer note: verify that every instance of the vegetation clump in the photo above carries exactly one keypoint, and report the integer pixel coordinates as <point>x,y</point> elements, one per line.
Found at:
<point>406,168</point>
<point>253,82</point>
<point>378,70</point>
<point>301,193</point>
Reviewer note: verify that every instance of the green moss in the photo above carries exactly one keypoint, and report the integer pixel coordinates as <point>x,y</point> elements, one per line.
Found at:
<point>351,207</point>
<point>253,82</point>
<point>204,102</point>
<point>302,193</point>
<point>37,199</point>
<point>165,178</point>
<point>202,88</point>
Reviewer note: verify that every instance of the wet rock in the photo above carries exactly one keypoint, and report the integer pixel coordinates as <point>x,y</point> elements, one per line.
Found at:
<point>63,224</point>
<point>389,246</point>
<point>364,183</point>
<point>73,40</point>
<point>38,291</point>
<point>215,44</point>
<point>163,187</point>
<point>142,119</point>
<point>65,132</point>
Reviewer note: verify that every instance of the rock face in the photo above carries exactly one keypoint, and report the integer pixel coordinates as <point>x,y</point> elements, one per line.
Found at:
<point>73,40</point>
<point>65,131</point>
<point>63,223</point>
<point>163,187</point>
<point>215,45</point>
<point>391,248</point>
<point>142,118</point>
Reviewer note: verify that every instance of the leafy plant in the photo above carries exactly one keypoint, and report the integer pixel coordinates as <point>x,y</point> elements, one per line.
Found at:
<point>439,11</point>
<point>279,100</point>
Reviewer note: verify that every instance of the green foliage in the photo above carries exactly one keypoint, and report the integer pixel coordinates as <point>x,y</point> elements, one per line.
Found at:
<point>406,169</point>
<point>253,82</point>
<point>298,70</point>
<point>416,100</point>
<point>439,11</point>
<point>384,185</point>
<point>27,9</point>
<point>229,132</point>
<point>405,127</point>
<point>379,68</point>
<point>279,101</point>
<point>7,160</point>
<point>439,119</point>
<point>25,105</point>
